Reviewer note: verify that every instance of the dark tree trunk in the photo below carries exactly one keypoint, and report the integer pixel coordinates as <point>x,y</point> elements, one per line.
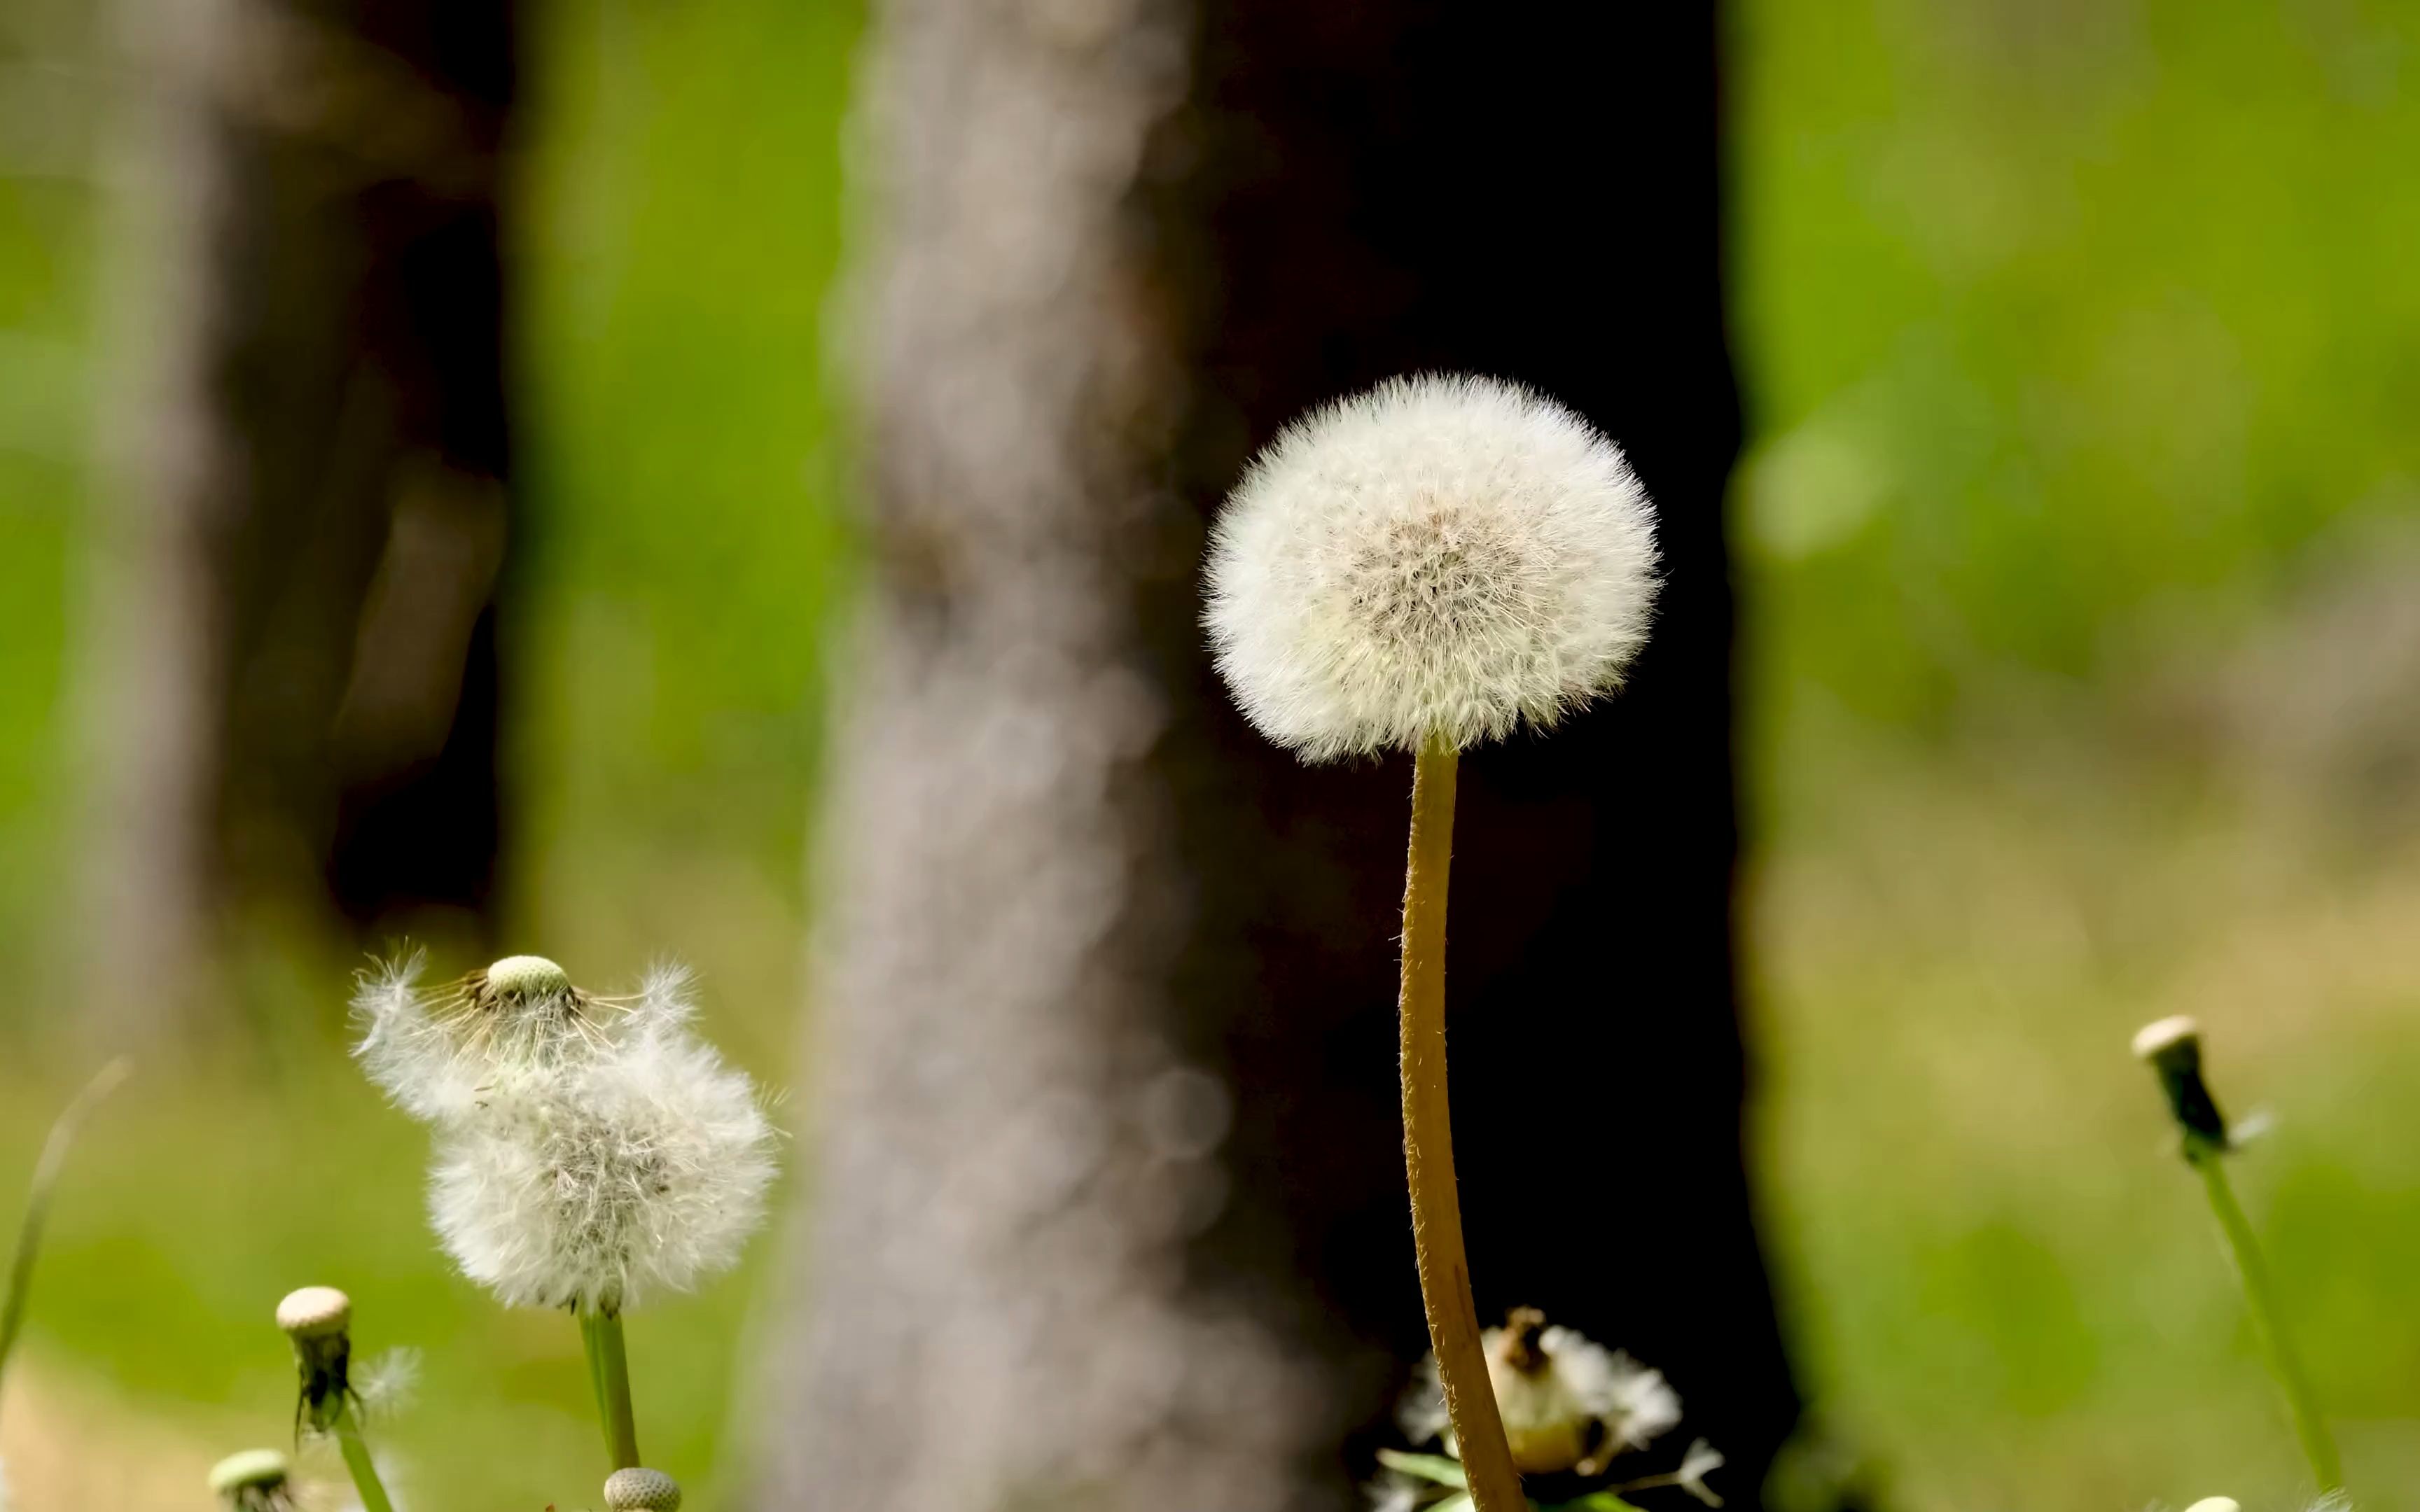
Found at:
<point>1063,872</point>
<point>1532,191</point>
<point>299,585</point>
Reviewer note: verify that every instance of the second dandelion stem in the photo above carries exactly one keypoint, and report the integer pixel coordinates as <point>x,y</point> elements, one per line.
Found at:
<point>609,1370</point>
<point>2269,1320</point>
<point>1428,1144</point>
<point>357,1460</point>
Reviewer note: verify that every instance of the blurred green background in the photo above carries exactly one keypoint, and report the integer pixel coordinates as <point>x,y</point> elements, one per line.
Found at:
<point>2079,551</point>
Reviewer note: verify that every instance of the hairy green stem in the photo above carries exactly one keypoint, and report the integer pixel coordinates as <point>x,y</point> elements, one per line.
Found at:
<point>1428,1144</point>
<point>357,1460</point>
<point>2269,1320</point>
<point>609,1371</point>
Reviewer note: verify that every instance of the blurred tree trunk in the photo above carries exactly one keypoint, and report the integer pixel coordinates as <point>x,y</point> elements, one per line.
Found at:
<point>1109,1209</point>
<point>296,646</point>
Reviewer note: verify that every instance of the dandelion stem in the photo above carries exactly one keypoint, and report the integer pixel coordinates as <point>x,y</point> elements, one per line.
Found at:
<point>2268,1318</point>
<point>1428,1144</point>
<point>609,1370</point>
<point>37,1199</point>
<point>357,1460</point>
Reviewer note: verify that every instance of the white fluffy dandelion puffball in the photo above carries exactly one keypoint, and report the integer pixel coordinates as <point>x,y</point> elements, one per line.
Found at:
<point>1440,557</point>
<point>591,1153</point>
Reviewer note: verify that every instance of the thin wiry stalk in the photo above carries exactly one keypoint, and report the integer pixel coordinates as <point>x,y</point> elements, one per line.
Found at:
<point>2269,1321</point>
<point>1428,1144</point>
<point>609,1366</point>
<point>37,1199</point>
<point>357,1460</point>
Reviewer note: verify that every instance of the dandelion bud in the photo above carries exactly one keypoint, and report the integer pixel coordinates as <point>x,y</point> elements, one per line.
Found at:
<point>2173,1048</point>
<point>253,1480</point>
<point>317,1319</point>
<point>1439,557</point>
<point>315,1312</point>
<point>642,1490</point>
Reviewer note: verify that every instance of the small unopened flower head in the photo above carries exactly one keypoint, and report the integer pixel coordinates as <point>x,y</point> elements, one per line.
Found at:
<point>2172,1047</point>
<point>253,1480</point>
<point>591,1153</point>
<point>315,1312</point>
<point>1439,558</point>
<point>1567,1404</point>
<point>317,1318</point>
<point>642,1490</point>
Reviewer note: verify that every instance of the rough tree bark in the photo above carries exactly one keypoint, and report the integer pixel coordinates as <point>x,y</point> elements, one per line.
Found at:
<point>297,647</point>
<point>1077,922</point>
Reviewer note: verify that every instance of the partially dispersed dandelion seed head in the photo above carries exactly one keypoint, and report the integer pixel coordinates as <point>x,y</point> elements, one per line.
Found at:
<point>642,1490</point>
<point>627,1178</point>
<point>590,1152</point>
<point>1439,558</point>
<point>254,1480</point>
<point>315,1312</point>
<point>1569,1404</point>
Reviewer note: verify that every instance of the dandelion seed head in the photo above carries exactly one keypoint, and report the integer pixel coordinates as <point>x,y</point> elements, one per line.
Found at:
<point>638,1489</point>
<point>1566,1403</point>
<point>1440,557</point>
<point>2207,1504</point>
<point>609,1183</point>
<point>589,1151</point>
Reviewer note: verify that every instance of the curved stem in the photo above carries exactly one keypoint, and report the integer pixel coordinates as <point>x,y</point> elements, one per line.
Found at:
<point>1428,1144</point>
<point>609,1368</point>
<point>357,1460</point>
<point>37,1200</point>
<point>2269,1322</point>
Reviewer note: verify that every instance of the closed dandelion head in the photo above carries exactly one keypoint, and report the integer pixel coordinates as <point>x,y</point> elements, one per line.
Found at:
<point>597,1180</point>
<point>315,1313</point>
<point>1439,558</point>
<point>254,1480</point>
<point>319,1319</point>
<point>637,1489</point>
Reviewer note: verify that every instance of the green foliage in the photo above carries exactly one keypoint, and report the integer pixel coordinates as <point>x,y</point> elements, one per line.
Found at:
<point>686,540</point>
<point>2052,314</point>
